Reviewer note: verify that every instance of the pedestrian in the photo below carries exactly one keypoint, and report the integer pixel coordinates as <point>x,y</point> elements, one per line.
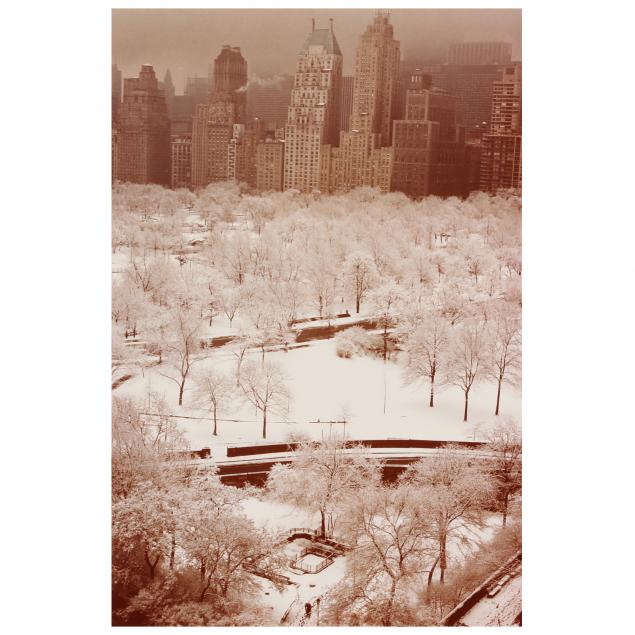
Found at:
<point>307,609</point>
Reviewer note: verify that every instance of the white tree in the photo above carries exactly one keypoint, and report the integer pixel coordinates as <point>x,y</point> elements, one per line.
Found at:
<point>359,274</point>
<point>181,344</point>
<point>214,391</point>
<point>425,349</point>
<point>263,386</point>
<point>467,357</point>
<point>452,490</point>
<point>322,477</point>
<point>504,347</point>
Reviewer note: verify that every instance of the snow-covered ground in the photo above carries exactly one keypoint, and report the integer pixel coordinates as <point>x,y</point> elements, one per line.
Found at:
<point>327,388</point>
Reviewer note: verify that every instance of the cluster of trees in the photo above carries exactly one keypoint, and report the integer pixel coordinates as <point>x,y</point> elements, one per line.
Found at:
<point>400,532</point>
<point>183,553</point>
<point>450,269</point>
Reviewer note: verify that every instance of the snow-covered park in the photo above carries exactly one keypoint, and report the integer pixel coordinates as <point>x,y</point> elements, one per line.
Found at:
<point>241,319</point>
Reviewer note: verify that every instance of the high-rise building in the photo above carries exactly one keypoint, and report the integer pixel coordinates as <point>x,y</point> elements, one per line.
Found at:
<point>168,87</point>
<point>230,77</point>
<point>116,92</point>
<point>346,101</point>
<point>480,53</point>
<point>213,122</point>
<point>374,104</point>
<point>428,147</point>
<point>270,165</point>
<point>313,117</point>
<point>501,156</point>
<point>143,132</point>
<point>181,161</point>
<point>268,100</point>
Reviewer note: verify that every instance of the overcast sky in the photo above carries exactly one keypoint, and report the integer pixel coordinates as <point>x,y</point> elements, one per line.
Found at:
<point>186,40</point>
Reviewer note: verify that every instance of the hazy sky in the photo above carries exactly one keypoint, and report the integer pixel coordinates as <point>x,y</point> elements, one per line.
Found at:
<point>186,40</point>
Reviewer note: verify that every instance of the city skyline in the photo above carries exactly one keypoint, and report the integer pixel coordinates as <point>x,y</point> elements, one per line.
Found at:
<point>187,40</point>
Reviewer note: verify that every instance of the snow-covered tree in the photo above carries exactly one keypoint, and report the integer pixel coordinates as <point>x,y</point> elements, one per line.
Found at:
<point>214,392</point>
<point>322,477</point>
<point>264,387</point>
<point>359,274</point>
<point>425,350</point>
<point>467,357</point>
<point>452,490</point>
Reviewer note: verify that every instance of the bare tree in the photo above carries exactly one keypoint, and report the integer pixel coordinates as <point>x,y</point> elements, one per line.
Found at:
<point>504,347</point>
<point>505,445</point>
<point>322,477</point>
<point>214,391</point>
<point>391,547</point>
<point>425,349</point>
<point>452,489</point>
<point>263,386</point>
<point>359,272</point>
<point>467,357</point>
<point>181,344</point>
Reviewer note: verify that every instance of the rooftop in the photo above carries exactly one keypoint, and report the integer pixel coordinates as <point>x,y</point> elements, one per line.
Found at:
<point>325,38</point>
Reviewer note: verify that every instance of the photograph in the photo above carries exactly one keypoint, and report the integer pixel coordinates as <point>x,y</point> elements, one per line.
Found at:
<point>316,315</point>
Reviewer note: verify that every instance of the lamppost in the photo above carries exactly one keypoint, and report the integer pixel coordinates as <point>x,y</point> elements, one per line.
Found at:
<point>318,611</point>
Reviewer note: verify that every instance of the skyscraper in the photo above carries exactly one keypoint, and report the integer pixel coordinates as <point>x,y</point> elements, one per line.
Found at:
<point>428,146</point>
<point>143,138</point>
<point>501,155</point>
<point>346,101</point>
<point>168,87</point>
<point>313,117</point>
<point>213,123</point>
<point>374,103</point>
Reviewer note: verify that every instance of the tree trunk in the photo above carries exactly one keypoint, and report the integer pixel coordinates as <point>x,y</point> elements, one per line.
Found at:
<point>498,394</point>
<point>357,304</point>
<point>172,551</point>
<point>465,410</point>
<point>181,389</point>
<point>443,563</point>
<point>387,619</point>
<point>505,506</point>
<point>215,431</point>
<point>432,374</point>
<point>323,523</point>
<point>431,572</point>
<point>264,423</point>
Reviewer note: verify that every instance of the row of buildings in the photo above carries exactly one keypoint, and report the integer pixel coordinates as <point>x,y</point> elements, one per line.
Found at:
<point>436,129</point>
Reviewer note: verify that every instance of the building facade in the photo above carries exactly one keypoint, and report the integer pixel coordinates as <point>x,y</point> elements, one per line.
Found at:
<point>181,161</point>
<point>213,121</point>
<point>346,101</point>
<point>143,131</point>
<point>375,94</point>
<point>313,116</point>
<point>428,146</point>
<point>501,155</point>
<point>480,54</point>
<point>270,165</point>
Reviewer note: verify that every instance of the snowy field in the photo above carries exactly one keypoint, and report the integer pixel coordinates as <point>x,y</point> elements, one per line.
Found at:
<point>325,387</point>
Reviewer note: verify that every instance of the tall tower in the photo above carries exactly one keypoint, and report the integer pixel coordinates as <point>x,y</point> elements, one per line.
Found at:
<point>168,87</point>
<point>501,150</point>
<point>376,76</point>
<point>213,122</point>
<point>374,104</point>
<point>313,118</point>
<point>143,140</point>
